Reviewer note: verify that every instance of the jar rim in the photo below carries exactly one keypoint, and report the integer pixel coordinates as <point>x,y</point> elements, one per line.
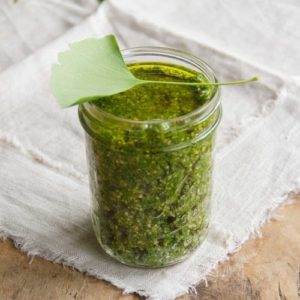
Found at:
<point>201,113</point>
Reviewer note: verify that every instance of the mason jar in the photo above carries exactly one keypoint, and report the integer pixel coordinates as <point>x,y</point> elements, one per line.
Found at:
<point>151,180</point>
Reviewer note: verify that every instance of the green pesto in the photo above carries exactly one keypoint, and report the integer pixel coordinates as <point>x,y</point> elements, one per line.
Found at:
<point>154,101</point>
<point>151,185</point>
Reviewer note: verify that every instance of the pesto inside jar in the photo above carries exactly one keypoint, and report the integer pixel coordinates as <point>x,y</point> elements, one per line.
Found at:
<point>151,183</point>
<point>156,101</point>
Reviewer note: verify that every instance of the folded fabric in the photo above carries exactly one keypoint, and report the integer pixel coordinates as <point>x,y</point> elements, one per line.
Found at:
<point>27,25</point>
<point>44,195</point>
<point>254,31</point>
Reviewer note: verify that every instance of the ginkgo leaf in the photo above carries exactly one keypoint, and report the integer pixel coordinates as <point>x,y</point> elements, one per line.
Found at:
<point>94,68</point>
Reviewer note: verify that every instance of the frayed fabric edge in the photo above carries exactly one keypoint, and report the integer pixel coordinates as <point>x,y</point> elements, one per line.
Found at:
<point>286,199</point>
<point>32,249</point>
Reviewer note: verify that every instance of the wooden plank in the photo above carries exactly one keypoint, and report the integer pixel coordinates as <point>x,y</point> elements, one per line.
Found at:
<point>26,278</point>
<point>264,269</point>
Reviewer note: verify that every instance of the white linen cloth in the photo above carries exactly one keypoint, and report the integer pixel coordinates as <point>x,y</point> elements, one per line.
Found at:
<point>26,25</point>
<point>44,196</point>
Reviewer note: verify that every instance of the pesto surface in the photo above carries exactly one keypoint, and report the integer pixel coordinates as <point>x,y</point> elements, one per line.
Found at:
<point>151,185</point>
<point>155,101</point>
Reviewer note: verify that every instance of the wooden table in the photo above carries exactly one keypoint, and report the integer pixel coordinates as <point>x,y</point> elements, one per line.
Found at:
<point>266,268</point>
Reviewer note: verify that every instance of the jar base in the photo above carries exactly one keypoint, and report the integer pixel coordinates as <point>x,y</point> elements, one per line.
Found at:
<point>144,266</point>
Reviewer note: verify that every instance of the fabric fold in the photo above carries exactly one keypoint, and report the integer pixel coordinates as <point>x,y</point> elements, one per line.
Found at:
<point>25,26</point>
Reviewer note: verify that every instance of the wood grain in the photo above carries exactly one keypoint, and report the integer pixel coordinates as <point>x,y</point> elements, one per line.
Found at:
<point>264,269</point>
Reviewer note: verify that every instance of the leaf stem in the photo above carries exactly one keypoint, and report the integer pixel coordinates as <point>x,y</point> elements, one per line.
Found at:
<point>255,78</point>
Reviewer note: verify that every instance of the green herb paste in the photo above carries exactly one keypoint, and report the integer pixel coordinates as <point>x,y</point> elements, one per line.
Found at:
<point>151,183</point>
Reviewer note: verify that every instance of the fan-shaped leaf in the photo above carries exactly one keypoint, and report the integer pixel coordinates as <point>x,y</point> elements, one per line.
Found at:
<point>92,68</point>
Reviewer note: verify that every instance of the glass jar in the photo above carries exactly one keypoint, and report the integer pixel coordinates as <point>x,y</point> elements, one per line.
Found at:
<point>151,181</point>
